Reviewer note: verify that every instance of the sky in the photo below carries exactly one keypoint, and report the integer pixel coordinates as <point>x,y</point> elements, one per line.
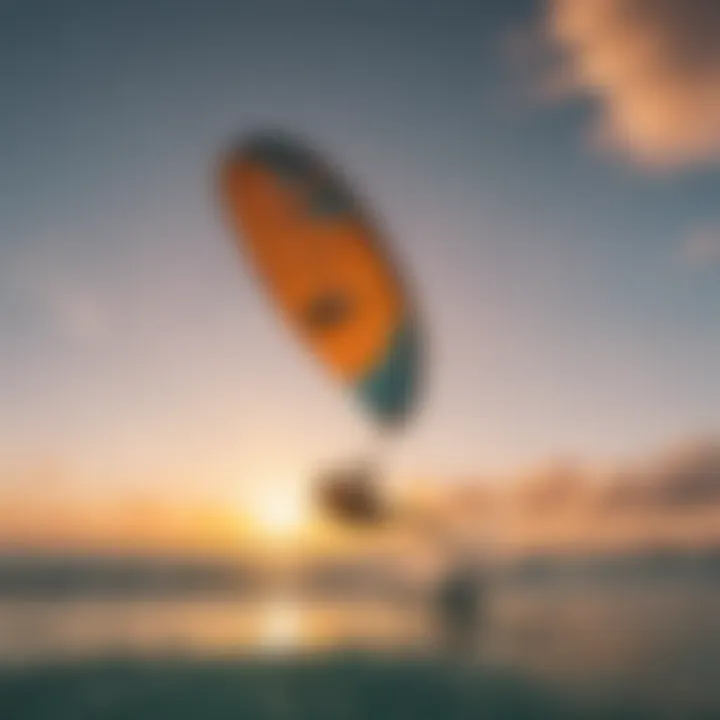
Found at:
<point>547,172</point>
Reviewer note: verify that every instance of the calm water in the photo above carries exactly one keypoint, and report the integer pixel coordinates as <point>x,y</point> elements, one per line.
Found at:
<point>659,640</point>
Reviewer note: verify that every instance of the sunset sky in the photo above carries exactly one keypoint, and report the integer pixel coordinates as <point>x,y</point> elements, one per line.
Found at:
<point>548,173</point>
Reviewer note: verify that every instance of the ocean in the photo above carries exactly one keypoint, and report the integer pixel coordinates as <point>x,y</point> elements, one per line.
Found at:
<point>648,643</point>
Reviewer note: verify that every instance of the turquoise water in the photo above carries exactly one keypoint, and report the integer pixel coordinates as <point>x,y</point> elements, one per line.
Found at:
<point>328,687</point>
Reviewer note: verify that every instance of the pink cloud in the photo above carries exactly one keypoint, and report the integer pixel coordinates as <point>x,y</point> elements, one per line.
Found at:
<point>654,68</point>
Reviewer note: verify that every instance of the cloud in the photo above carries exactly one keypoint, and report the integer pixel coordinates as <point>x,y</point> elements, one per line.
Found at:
<point>555,488</point>
<point>69,308</point>
<point>670,499</point>
<point>682,480</point>
<point>654,68</point>
<point>702,246</point>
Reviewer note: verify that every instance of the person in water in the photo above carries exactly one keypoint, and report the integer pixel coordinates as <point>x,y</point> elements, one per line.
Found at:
<point>459,607</point>
<point>352,496</point>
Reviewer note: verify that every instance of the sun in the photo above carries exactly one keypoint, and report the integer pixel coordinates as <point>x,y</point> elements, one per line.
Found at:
<point>280,512</point>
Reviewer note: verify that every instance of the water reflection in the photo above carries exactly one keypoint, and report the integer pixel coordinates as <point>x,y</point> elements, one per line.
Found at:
<point>281,626</point>
<point>74,628</point>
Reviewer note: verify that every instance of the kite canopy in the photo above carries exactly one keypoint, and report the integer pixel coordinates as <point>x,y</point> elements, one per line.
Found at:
<point>323,263</point>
